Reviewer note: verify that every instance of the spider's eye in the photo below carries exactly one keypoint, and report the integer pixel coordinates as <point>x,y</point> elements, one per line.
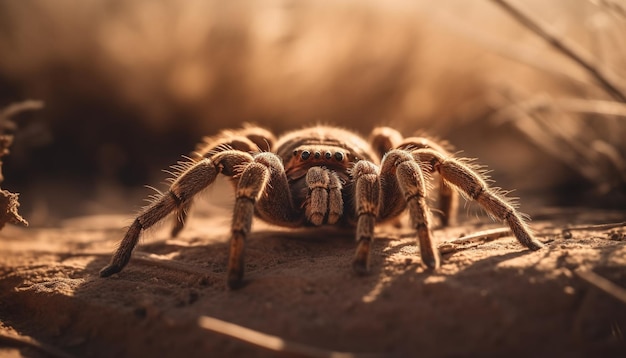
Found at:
<point>338,156</point>
<point>328,155</point>
<point>295,153</point>
<point>305,154</point>
<point>318,155</point>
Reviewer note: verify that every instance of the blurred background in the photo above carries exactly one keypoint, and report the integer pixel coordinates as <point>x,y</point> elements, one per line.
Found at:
<point>130,86</point>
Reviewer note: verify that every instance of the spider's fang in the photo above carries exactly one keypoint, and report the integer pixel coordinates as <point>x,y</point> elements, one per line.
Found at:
<point>305,155</point>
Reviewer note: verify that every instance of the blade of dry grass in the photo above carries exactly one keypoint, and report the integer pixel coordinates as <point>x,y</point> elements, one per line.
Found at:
<point>577,145</point>
<point>610,81</point>
<point>511,50</point>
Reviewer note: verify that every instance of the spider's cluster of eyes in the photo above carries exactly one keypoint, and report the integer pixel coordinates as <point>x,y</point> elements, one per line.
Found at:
<point>305,154</point>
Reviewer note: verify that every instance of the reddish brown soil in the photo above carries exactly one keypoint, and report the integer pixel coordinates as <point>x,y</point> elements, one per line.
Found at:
<point>491,299</point>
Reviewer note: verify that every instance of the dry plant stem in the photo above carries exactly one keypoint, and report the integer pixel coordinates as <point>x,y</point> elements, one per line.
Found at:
<point>511,50</point>
<point>567,232</point>
<point>9,201</point>
<point>546,135</point>
<point>602,283</point>
<point>33,343</point>
<point>607,79</point>
<point>606,108</point>
<point>270,342</point>
<point>478,237</point>
<point>15,108</point>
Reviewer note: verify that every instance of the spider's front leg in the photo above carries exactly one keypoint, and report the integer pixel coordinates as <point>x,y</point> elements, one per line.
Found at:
<point>385,139</point>
<point>476,188</point>
<point>366,196</point>
<point>249,139</point>
<point>262,186</point>
<point>403,178</point>
<point>197,177</point>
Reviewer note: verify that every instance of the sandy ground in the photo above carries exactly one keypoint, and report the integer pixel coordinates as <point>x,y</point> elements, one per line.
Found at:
<point>488,299</point>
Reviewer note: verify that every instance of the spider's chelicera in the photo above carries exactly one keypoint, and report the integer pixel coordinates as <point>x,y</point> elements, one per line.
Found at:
<point>325,175</point>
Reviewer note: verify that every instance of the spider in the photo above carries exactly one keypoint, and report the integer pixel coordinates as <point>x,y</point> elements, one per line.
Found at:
<point>324,175</point>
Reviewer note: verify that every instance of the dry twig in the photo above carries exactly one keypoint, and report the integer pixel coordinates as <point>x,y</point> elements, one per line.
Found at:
<point>270,342</point>
<point>9,201</point>
<point>475,238</point>
<point>567,232</point>
<point>33,343</point>
<point>602,283</point>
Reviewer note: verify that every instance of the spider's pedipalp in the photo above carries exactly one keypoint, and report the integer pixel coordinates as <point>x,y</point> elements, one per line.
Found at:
<point>324,204</point>
<point>318,180</point>
<point>335,199</point>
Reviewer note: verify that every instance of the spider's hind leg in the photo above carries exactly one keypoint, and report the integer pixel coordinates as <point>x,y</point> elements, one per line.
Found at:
<point>475,187</point>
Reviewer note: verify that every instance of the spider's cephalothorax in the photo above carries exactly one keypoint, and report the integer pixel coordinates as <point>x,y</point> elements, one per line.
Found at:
<point>324,175</point>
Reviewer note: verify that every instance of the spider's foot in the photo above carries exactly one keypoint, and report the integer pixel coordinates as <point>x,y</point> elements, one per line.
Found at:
<point>529,241</point>
<point>360,264</point>
<point>235,280</point>
<point>535,245</point>
<point>432,262</point>
<point>431,258</point>
<point>110,270</point>
<point>360,268</point>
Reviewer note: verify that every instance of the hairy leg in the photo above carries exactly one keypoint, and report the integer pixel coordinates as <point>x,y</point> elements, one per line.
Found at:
<point>399,166</point>
<point>475,187</point>
<point>197,177</point>
<point>448,197</point>
<point>366,196</point>
<point>249,139</point>
<point>251,185</point>
<point>384,139</point>
<point>262,186</point>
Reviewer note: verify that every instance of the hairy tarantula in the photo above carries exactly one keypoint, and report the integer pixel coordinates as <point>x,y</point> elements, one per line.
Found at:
<point>324,175</point>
